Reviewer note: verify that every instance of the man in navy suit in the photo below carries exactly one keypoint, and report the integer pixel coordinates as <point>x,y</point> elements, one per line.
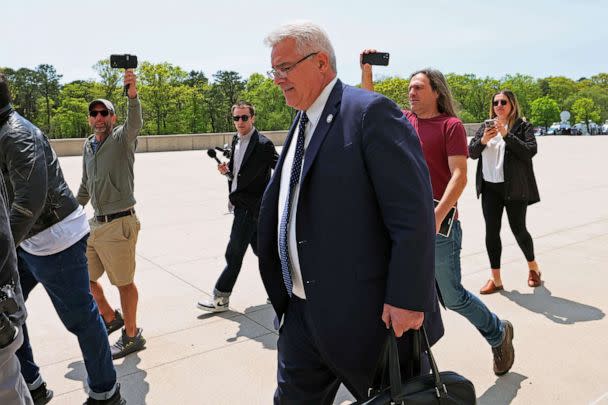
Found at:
<point>346,230</point>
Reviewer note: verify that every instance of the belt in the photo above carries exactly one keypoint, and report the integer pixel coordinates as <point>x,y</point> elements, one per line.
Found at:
<point>112,217</point>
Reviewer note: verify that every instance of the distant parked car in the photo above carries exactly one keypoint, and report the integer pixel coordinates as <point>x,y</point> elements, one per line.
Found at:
<point>539,131</point>
<point>605,129</point>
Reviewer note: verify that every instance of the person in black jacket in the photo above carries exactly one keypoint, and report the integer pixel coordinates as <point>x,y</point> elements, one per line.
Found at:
<point>248,172</point>
<point>505,145</point>
<point>13,389</point>
<point>50,231</point>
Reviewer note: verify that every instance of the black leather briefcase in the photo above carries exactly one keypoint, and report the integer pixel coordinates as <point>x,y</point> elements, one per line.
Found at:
<point>444,388</point>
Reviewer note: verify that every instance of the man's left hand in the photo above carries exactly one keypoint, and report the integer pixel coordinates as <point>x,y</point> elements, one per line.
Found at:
<point>131,80</point>
<point>401,319</point>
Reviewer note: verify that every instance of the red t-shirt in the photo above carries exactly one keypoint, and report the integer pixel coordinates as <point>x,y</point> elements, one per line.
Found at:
<point>441,136</point>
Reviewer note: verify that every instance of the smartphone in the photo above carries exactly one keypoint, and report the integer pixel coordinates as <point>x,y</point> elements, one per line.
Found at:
<point>123,61</point>
<point>489,123</point>
<point>378,58</point>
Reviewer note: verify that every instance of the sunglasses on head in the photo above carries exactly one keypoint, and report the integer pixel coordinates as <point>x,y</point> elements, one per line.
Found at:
<point>245,118</point>
<point>501,102</point>
<point>104,113</point>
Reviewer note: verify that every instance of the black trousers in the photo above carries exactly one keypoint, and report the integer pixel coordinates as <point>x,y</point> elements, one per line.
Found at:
<point>304,375</point>
<point>244,233</point>
<point>493,202</point>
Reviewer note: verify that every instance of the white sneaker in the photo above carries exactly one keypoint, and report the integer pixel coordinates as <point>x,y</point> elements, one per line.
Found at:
<point>216,304</point>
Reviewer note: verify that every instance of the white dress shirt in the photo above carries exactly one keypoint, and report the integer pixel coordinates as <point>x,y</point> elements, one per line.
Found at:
<point>493,159</point>
<point>314,114</point>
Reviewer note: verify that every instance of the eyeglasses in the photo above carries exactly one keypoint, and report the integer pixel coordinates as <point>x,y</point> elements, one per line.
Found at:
<point>236,118</point>
<point>104,113</point>
<point>281,72</point>
<point>501,102</point>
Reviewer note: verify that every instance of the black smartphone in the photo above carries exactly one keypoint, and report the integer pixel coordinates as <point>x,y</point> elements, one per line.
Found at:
<point>378,58</point>
<point>123,61</point>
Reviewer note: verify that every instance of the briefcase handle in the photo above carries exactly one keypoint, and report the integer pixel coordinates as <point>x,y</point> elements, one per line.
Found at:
<point>389,362</point>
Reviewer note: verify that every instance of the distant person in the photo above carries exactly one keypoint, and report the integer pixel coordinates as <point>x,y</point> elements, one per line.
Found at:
<point>108,182</point>
<point>252,160</point>
<point>444,143</point>
<point>346,228</point>
<point>50,231</point>
<point>505,180</point>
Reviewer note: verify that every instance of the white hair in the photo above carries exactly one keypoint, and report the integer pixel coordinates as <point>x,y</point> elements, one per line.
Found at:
<point>309,38</point>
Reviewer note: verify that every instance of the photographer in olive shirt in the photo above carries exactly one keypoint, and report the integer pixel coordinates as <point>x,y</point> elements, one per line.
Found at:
<point>107,180</point>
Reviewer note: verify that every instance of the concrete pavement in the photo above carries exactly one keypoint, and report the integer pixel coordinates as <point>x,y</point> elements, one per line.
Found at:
<point>194,358</point>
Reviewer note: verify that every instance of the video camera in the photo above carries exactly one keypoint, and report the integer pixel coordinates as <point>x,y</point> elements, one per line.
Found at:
<point>8,303</point>
<point>8,306</point>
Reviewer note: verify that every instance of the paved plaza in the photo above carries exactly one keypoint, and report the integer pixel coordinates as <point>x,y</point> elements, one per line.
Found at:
<point>192,358</point>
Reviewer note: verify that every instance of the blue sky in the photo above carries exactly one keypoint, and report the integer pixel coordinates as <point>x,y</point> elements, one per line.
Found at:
<point>488,38</point>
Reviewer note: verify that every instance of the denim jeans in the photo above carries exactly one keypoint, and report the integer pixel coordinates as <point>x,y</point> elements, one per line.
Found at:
<point>244,233</point>
<point>65,278</point>
<point>455,297</point>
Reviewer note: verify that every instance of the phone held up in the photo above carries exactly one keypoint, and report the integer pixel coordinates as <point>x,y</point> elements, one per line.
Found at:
<point>123,61</point>
<point>489,123</point>
<point>377,58</point>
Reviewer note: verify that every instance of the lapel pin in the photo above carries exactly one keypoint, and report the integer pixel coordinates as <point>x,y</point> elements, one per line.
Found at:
<point>330,118</point>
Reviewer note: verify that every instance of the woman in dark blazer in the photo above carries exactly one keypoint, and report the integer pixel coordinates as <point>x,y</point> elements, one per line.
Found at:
<point>505,145</point>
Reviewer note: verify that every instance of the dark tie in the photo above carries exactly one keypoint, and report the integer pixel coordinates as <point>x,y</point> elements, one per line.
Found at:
<point>294,179</point>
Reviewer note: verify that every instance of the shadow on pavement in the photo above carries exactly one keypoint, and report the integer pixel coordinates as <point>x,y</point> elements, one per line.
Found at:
<point>133,385</point>
<point>556,309</point>
<point>263,319</point>
<point>503,391</point>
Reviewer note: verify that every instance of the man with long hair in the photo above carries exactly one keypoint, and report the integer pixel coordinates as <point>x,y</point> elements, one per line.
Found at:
<point>444,144</point>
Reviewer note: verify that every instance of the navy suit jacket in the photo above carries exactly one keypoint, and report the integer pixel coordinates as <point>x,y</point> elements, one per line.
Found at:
<point>365,229</point>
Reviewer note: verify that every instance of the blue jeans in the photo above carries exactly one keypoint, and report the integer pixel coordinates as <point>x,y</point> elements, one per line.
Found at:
<point>455,297</point>
<point>65,278</point>
<point>244,232</point>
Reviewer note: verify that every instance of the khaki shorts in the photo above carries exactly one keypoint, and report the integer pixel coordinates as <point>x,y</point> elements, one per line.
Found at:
<point>111,249</point>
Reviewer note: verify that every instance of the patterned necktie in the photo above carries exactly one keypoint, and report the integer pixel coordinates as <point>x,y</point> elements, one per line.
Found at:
<point>294,179</point>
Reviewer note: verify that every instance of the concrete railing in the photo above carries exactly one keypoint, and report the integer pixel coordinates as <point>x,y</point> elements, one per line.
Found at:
<point>166,143</point>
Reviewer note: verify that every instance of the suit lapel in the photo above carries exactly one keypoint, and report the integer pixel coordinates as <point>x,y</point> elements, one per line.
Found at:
<point>331,107</point>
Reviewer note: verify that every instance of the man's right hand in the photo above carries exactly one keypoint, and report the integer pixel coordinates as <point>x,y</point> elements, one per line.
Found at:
<point>367,81</point>
<point>223,168</point>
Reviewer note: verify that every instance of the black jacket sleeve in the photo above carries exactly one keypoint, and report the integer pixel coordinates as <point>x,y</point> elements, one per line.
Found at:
<point>523,149</point>
<point>475,146</point>
<point>26,167</point>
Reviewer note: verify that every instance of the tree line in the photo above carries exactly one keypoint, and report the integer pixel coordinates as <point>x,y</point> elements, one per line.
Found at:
<point>175,101</point>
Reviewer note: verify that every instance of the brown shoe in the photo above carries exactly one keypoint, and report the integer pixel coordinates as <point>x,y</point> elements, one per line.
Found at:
<point>490,288</point>
<point>534,278</point>
<point>504,355</point>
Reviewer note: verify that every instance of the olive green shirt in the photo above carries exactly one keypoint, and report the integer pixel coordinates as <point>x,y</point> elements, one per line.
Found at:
<point>107,173</point>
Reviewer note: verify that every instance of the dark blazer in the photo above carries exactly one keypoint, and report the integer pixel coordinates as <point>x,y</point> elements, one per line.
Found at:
<point>365,229</point>
<point>520,147</point>
<point>254,174</point>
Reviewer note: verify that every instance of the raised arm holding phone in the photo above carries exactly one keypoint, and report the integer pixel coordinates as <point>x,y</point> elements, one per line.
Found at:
<point>108,183</point>
<point>444,143</point>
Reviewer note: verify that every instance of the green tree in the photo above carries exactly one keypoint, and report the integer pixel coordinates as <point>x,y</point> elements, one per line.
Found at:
<point>271,111</point>
<point>585,110</point>
<point>525,87</point>
<point>394,88</point>
<point>558,88</point>
<point>161,84</point>
<point>48,80</point>
<point>544,111</point>
<point>111,78</point>
<point>25,91</point>
<point>473,94</point>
